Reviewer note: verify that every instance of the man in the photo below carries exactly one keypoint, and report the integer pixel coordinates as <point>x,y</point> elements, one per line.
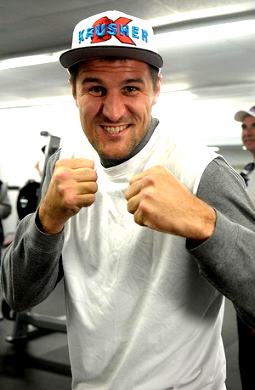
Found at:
<point>247,118</point>
<point>147,234</point>
<point>5,211</point>
<point>246,335</point>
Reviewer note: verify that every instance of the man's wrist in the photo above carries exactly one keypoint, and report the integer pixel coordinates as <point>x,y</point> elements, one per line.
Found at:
<point>47,225</point>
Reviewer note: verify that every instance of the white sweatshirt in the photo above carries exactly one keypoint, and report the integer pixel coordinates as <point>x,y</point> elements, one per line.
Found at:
<point>139,314</point>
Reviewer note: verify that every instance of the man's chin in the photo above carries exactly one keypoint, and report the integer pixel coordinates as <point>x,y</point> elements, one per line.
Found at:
<point>113,155</point>
<point>113,158</point>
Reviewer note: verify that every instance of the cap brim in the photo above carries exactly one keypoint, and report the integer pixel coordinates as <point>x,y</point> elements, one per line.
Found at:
<point>239,116</point>
<point>74,56</point>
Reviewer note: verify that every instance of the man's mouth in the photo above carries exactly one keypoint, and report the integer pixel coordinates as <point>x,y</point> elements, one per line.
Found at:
<point>114,129</point>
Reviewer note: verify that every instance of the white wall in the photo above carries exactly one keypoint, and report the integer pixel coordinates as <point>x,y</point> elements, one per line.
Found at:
<point>20,145</point>
<point>209,120</point>
<point>21,141</point>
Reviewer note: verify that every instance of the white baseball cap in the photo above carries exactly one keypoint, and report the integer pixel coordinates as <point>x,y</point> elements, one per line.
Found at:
<point>239,116</point>
<point>112,34</point>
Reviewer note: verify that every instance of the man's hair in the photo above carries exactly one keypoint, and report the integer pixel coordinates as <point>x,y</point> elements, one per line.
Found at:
<point>73,70</point>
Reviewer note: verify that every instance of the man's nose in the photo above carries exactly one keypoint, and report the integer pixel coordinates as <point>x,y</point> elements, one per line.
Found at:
<point>247,129</point>
<point>114,106</point>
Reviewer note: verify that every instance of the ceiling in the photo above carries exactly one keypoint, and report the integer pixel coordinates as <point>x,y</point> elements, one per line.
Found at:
<point>209,66</point>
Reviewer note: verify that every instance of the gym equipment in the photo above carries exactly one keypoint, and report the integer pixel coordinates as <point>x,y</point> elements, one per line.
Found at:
<point>40,337</point>
<point>29,325</point>
<point>51,148</point>
<point>28,198</point>
<point>29,194</point>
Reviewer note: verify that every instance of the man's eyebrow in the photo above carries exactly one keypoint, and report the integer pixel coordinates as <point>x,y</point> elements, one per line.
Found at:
<point>133,80</point>
<point>125,81</point>
<point>91,80</point>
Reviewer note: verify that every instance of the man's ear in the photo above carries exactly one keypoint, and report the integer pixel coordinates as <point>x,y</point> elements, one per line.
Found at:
<point>73,89</point>
<point>157,89</point>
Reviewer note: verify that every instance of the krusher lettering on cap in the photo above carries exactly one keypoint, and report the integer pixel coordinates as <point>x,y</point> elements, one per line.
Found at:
<point>104,28</point>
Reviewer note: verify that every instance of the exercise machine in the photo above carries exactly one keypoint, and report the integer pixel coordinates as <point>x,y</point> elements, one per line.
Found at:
<point>29,325</point>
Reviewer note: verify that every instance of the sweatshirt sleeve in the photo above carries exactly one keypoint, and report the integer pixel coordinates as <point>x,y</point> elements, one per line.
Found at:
<point>31,266</point>
<point>227,259</point>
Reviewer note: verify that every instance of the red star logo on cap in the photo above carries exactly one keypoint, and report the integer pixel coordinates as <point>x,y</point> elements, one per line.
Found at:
<point>105,37</point>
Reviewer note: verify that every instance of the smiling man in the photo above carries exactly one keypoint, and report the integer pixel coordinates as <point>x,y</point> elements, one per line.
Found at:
<point>248,132</point>
<point>149,235</point>
<point>246,335</point>
<point>247,118</point>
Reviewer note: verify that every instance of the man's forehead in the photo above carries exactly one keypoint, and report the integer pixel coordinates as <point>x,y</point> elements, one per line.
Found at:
<point>110,64</point>
<point>249,119</point>
<point>112,61</point>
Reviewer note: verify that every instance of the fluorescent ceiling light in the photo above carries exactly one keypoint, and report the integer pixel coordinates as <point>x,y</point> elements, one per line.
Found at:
<point>38,59</point>
<point>174,87</point>
<point>206,34</point>
<point>214,148</point>
<point>173,38</point>
<point>36,102</point>
<point>176,99</point>
<point>200,14</point>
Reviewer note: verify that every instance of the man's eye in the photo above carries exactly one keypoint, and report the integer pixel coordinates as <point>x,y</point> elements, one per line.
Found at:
<point>97,91</point>
<point>131,89</point>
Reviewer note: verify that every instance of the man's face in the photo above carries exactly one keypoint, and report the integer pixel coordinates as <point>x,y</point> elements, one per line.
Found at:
<point>248,133</point>
<point>115,99</point>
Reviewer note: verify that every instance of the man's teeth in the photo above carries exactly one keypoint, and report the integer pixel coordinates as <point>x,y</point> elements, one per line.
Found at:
<point>114,130</point>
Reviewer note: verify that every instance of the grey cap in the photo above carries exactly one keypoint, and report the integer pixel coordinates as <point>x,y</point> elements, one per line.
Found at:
<point>239,116</point>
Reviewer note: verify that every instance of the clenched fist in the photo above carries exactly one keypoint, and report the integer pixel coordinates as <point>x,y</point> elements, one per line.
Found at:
<point>159,201</point>
<point>73,185</point>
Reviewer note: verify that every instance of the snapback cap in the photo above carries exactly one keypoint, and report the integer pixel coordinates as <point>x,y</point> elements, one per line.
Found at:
<point>239,116</point>
<point>112,34</point>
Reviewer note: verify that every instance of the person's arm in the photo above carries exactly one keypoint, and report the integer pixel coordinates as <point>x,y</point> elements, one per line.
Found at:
<point>218,224</point>
<point>5,204</point>
<point>31,265</point>
<point>227,258</point>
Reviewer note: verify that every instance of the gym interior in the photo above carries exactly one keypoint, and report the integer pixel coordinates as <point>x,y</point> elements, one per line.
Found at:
<point>207,77</point>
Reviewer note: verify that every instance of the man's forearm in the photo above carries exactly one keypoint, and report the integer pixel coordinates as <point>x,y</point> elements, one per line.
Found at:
<point>31,265</point>
<point>227,259</point>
